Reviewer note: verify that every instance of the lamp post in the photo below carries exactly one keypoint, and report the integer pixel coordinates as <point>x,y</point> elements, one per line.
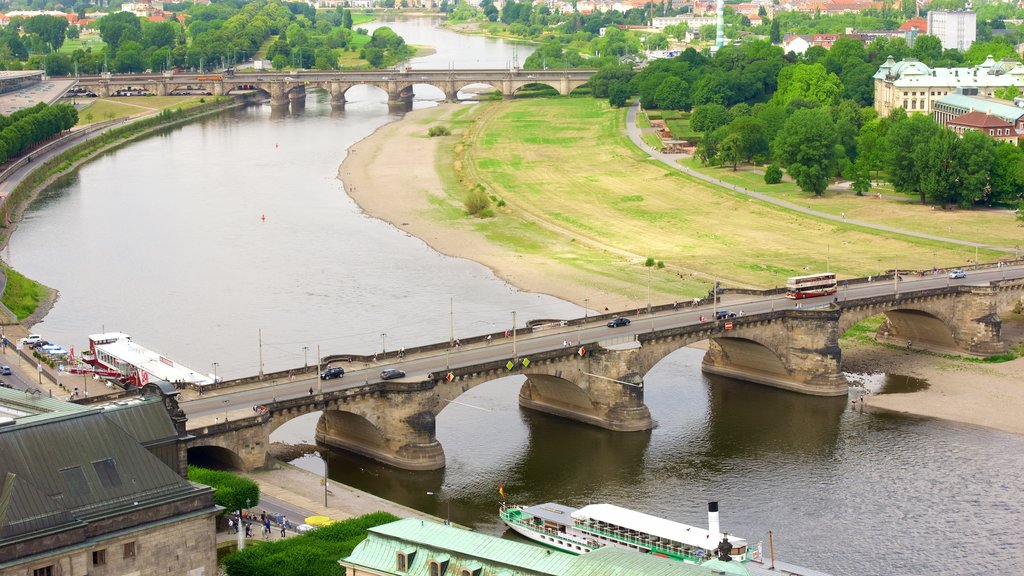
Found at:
<point>215,364</point>
<point>305,358</point>
<point>383,348</point>
<point>227,404</point>
<point>514,353</point>
<point>319,380</point>
<point>448,517</point>
<point>586,308</point>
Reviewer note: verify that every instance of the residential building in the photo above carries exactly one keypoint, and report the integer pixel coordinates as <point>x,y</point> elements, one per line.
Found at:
<point>997,118</point>
<point>94,490</point>
<point>413,547</point>
<point>956,29</point>
<point>994,126</point>
<point>911,85</point>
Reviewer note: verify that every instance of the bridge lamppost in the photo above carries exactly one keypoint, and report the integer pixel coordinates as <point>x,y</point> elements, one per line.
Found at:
<point>305,358</point>
<point>514,353</point>
<point>215,364</point>
<point>227,404</point>
<point>383,348</point>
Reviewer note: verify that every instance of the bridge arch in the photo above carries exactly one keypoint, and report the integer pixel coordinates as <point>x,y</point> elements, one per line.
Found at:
<point>217,457</point>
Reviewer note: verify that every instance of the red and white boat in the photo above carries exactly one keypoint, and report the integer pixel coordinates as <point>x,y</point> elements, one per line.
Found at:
<point>114,355</point>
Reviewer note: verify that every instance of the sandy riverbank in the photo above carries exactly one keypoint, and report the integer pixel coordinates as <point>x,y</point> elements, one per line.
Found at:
<point>410,195</point>
<point>990,395</point>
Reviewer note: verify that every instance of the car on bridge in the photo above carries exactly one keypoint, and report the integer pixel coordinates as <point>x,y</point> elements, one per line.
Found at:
<point>955,274</point>
<point>723,314</point>
<point>391,374</point>
<point>332,372</point>
<point>620,321</point>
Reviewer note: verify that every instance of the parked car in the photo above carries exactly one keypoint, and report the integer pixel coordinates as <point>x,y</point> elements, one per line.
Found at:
<point>5,370</point>
<point>723,314</point>
<point>391,374</point>
<point>955,274</point>
<point>620,321</point>
<point>31,339</point>
<point>332,372</point>
<point>38,344</point>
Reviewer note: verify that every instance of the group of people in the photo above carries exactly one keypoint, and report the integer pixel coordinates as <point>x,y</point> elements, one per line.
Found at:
<point>243,522</point>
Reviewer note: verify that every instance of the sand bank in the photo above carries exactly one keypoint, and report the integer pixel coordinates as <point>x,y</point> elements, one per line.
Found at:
<point>990,395</point>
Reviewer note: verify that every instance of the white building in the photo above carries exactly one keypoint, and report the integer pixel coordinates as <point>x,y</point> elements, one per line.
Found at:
<point>911,85</point>
<point>956,29</point>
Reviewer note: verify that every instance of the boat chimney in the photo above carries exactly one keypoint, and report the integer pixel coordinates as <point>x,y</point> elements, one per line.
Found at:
<point>713,519</point>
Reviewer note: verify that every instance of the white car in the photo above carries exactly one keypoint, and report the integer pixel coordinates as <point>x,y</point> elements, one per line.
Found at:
<point>955,274</point>
<point>31,339</point>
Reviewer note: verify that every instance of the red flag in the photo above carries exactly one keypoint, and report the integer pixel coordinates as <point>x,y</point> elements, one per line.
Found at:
<point>501,489</point>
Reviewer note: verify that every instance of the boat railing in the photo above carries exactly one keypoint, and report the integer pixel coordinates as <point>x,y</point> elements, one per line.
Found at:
<point>643,542</point>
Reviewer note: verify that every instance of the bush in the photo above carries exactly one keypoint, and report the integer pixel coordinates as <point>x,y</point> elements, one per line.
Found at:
<point>314,553</point>
<point>477,203</point>
<point>438,131</point>
<point>649,261</point>
<point>231,491</point>
<point>772,174</point>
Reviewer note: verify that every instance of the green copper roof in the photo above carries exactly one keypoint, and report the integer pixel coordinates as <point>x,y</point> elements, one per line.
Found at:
<point>610,561</point>
<point>1007,111</point>
<point>462,548</point>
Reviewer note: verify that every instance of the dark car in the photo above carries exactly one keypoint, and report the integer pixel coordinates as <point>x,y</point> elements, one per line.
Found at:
<point>332,372</point>
<point>391,374</point>
<point>616,322</point>
<point>723,314</point>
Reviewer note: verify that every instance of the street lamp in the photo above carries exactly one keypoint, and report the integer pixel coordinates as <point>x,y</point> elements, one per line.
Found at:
<point>227,403</point>
<point>305,360</point>
<point>514,353</point>
<point>448,518</point>
<point>383,348</point>
<point>215,364</point>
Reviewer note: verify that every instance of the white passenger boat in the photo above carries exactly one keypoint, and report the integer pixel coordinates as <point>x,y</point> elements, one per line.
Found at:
<point>114,355</point>
<point>581,530</point>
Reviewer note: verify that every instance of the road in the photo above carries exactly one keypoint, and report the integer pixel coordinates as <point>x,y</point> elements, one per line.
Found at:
<point>227,402</point>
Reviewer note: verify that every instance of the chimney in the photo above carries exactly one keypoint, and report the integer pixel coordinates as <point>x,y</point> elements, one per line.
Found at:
<point>713,520</point>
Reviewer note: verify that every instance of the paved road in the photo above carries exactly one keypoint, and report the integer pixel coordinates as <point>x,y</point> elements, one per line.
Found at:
<point>671,160</point>
<point>235,403</point>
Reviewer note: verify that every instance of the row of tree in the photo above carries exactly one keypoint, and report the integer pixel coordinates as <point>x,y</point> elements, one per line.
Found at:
<point>26,128</point>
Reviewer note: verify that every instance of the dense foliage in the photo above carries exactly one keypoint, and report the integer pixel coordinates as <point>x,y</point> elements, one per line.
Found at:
<point>231,491</point>
<point>24,129</point>
<point>290,34</point>
<point>315,553</point>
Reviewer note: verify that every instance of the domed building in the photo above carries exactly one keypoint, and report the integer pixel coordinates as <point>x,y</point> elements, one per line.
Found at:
<point>913,86</point>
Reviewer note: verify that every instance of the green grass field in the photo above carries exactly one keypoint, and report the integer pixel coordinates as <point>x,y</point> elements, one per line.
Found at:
<point>103,109</point>
<point>92,41</point>
<point>22,295</point>
<point>578,192</point>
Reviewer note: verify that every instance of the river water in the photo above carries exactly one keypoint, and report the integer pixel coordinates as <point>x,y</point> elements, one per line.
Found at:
<point>198,239</point>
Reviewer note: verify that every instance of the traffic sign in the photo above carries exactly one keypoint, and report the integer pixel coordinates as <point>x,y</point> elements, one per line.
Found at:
<point>728,325</point>
<point>510,365</point>
<point>449,376</point>
<point>582,351</point>
<point>526,362</point>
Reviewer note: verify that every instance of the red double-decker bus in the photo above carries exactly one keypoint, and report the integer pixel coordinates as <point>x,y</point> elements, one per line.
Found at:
<point>811,286</point>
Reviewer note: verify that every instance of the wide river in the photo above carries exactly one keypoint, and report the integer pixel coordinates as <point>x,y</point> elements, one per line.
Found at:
<point>200,239</point>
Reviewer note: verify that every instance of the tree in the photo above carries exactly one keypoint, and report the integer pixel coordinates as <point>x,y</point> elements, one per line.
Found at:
<point>672,94</point>
<point>975,156</point>
<point>937,167</point>
<point>809,82</point>
<point>775,32</point>
<point>1008,93</point>
<point>709,117</point>
<point>772,174</point>
<point>118,28</point>
<point>1007,174</point>
<point>902,138</point>
<point>50,28</point>
<point>806,146</point>
<point>618,94</point>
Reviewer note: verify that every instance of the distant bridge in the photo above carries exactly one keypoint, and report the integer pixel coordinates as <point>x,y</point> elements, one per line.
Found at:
<point>280,87</point>
<point>599,378</point>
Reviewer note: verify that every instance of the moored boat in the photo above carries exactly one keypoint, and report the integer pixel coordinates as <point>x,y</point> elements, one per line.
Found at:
<point>597,525</point>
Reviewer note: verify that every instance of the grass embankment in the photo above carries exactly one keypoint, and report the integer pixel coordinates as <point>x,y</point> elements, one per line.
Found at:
<point>21,294</point>
<point>103,109</point>
<point>578,192</point>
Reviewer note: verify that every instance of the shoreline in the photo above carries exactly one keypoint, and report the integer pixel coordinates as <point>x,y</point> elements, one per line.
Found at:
<point>986,395</point>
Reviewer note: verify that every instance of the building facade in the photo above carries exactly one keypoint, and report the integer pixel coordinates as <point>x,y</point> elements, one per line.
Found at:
<point>83,491</point>
<point>956,29</point>
<point>911,85</point>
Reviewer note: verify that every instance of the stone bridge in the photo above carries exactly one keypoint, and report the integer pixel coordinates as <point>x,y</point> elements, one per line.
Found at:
<point>602,384</point>
<point>281,87</point>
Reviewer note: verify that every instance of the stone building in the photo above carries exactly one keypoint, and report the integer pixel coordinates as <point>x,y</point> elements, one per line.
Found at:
<point>915,87</point>
<point>95,490</point>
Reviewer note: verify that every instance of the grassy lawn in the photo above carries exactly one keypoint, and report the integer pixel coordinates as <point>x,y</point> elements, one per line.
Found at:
<point>580,194</point>
<point>92,41</point>
<point>903,211</point>
<point>112,108</point>
<point>22,295</point>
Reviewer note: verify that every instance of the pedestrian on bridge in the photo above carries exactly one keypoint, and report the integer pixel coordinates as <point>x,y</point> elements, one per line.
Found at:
<point>310,390</point>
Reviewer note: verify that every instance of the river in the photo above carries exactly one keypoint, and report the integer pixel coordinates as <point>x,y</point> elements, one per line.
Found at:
<point>199,239</point>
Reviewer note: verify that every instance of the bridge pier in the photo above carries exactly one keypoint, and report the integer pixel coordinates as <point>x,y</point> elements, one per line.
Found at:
<point>801,355</point>
<point>395,427</point>
<point>337,90</point>
<point>973,325</point>
<point>603,390</point>
<point>278,95</point>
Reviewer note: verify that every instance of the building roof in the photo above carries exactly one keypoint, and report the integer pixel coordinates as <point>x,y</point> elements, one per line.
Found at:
<point>917,23</point>
<point>462,548</point>
<point>912,73</point>
<point>1007,112</point>
<point>73,465</point>
<point>980,120</point>
<point>647,524</point>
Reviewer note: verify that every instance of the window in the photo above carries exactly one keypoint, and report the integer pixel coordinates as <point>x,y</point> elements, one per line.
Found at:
<point>129,550</point>
<point>45,571</point>
<point>403,561</point>
<point>107,472</point>
<point>99,557</point>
